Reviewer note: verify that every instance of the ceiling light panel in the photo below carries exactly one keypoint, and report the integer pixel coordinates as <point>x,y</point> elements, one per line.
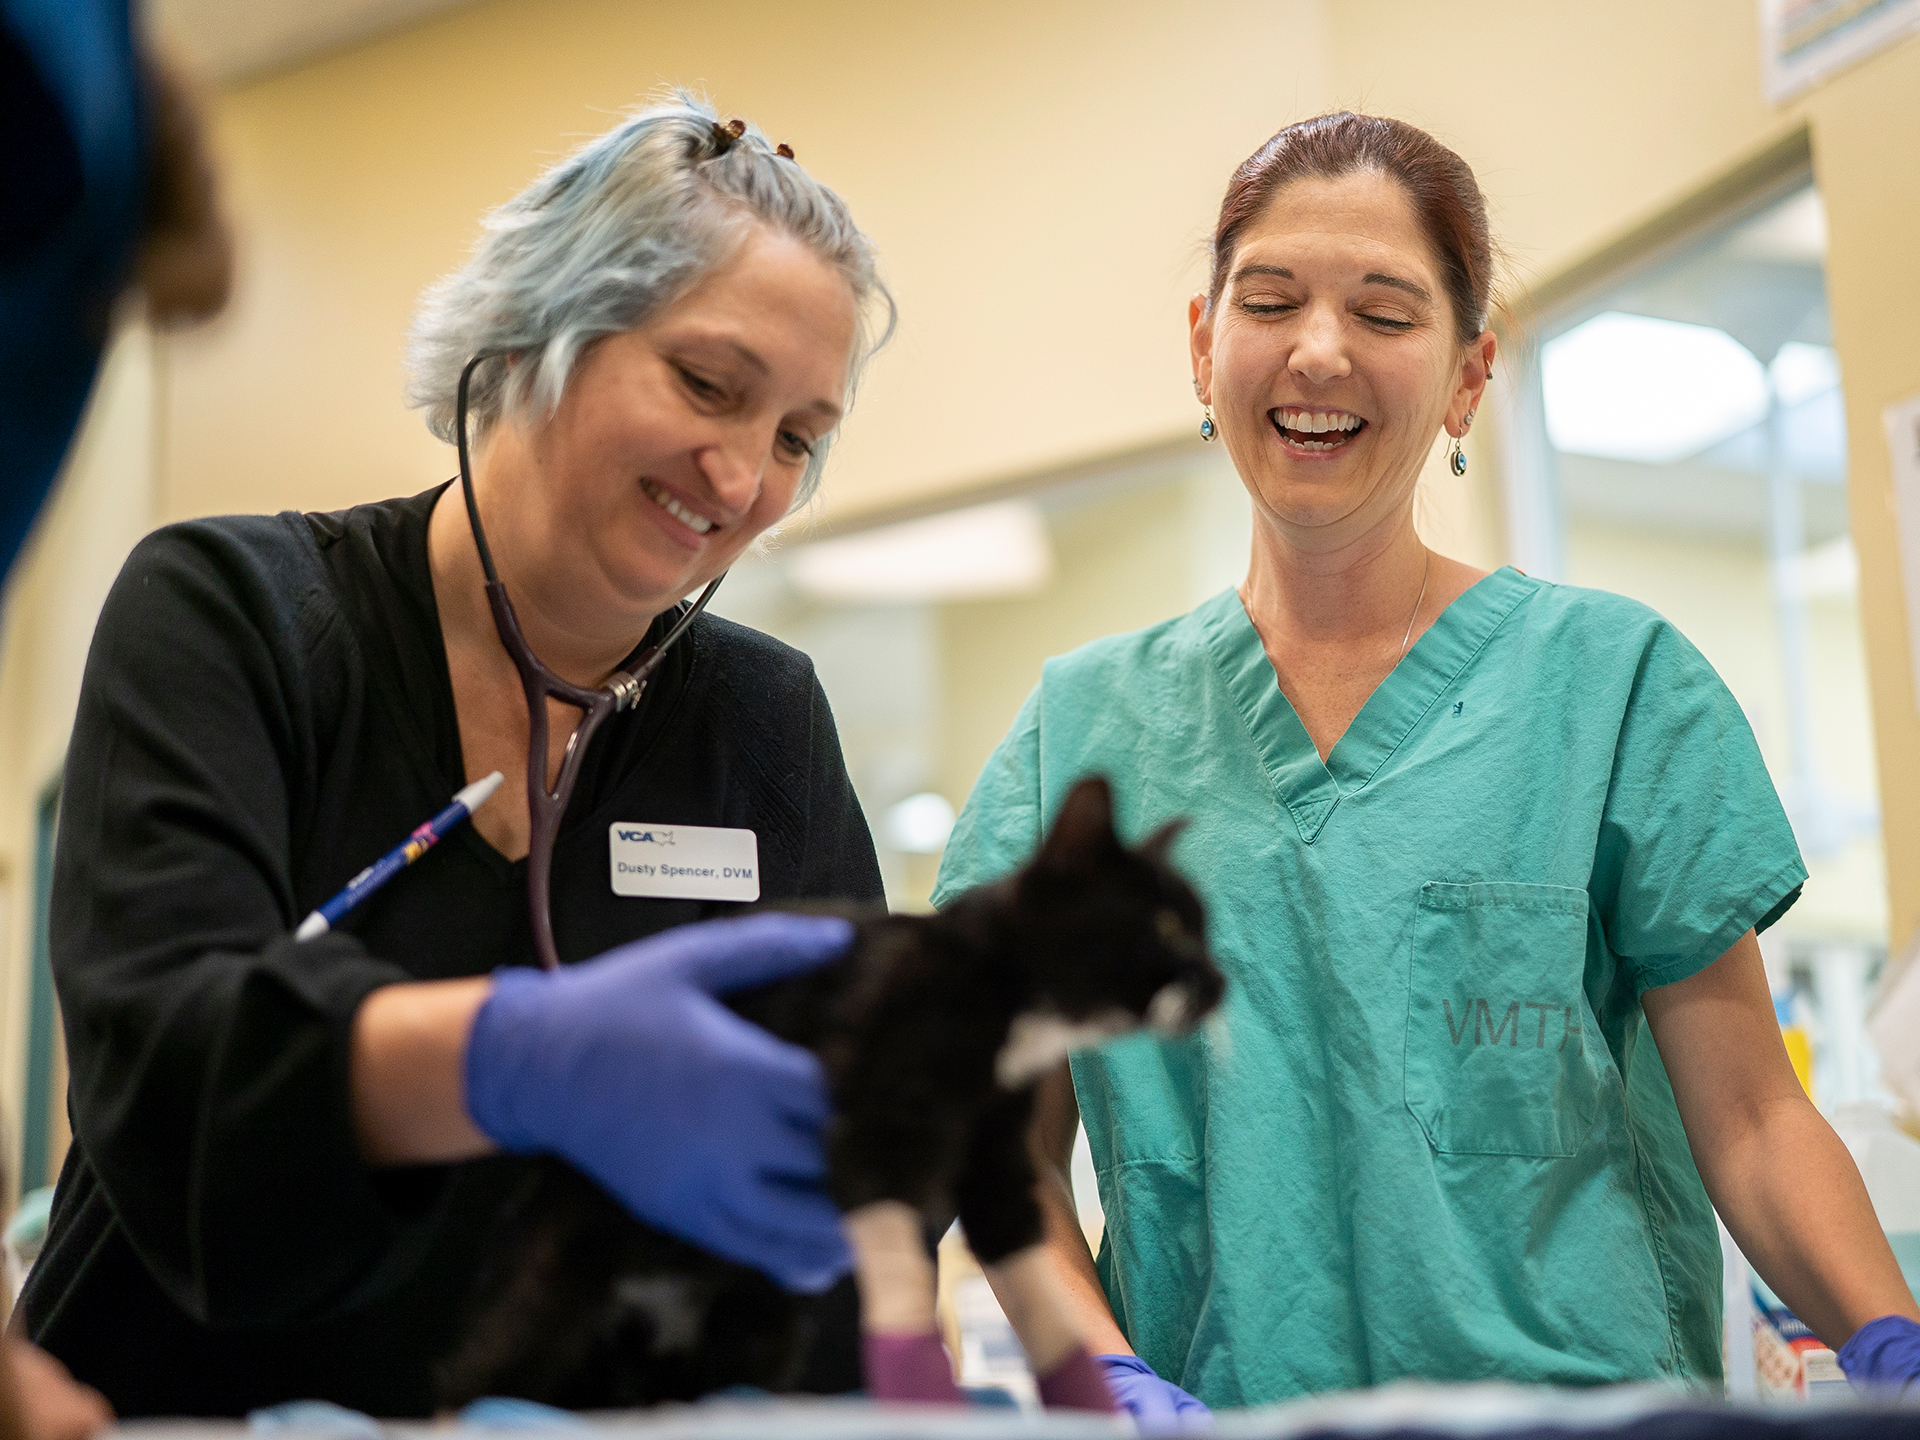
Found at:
<point>1634,387</point>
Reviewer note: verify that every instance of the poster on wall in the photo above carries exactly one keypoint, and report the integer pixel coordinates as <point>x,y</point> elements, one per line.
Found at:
<point>1802,42</point>
<point>1903,446</point>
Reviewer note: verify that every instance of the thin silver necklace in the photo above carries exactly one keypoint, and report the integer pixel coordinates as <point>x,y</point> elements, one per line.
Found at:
<point>1425,571</point>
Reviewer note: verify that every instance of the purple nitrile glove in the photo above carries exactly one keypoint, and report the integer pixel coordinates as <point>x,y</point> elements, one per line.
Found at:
<point>1883,1354</point>
<point>1155,1403</point>
<point>700,1123</point>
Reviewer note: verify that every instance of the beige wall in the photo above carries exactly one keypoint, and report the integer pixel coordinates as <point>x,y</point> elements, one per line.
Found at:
<point>1581,121</point>
<point>1040,180</point>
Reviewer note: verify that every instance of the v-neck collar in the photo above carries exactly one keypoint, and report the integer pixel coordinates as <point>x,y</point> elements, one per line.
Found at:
<point>1309,788</point>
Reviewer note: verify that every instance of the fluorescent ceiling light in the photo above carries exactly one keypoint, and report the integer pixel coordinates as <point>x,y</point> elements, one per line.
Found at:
<point>919,824</point>
<point>1633,387</point>
<point>986,550</point>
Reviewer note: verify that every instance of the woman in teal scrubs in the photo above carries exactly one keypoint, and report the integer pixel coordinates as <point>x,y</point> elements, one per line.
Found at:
<point>1484,859</point>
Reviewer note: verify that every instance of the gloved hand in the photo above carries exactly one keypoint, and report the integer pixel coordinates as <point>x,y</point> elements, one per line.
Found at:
<point>1883,1354</point>
<point>700,1123</point>
<point>1155,1403</point>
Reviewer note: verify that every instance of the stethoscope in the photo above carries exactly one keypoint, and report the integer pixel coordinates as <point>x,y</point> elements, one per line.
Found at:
<point>622,692</point>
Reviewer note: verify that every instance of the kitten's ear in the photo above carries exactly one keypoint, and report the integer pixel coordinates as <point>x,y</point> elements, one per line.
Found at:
<point>1156,846</point>
<point>1084,827</point>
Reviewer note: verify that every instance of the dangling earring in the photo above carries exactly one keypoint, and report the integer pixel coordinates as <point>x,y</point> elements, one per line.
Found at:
<point>1456,457</point>
<point>1209,431</point>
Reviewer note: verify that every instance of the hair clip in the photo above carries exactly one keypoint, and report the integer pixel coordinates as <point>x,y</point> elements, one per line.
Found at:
<point>783,150</point>
<point>725,135</point>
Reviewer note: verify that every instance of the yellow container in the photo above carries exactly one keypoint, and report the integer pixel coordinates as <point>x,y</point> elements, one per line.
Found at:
<point>1800,1052</point>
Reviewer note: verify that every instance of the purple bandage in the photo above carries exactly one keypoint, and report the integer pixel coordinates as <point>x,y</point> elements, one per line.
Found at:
<point>910,1368</point>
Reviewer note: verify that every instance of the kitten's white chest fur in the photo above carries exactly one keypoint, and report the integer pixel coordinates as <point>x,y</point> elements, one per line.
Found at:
<point>1038,1040</point>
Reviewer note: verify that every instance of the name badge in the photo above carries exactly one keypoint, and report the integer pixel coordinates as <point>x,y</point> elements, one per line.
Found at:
<point>684,862</point>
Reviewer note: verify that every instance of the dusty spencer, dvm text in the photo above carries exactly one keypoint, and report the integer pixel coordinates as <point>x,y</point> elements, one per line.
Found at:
<point>705,872</point>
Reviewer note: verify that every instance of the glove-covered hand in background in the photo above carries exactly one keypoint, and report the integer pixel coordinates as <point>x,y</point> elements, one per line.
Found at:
<point>1883,1354</point>
<point>702,1124</point>
<point>1155,1403</point>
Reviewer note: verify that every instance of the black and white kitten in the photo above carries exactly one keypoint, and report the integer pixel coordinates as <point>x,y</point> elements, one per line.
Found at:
<point>932,1031</point>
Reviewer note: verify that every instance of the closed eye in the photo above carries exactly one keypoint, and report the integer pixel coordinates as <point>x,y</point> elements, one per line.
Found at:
<point>798,447</point>
<point>702,389</point>
<point>1387,322</point>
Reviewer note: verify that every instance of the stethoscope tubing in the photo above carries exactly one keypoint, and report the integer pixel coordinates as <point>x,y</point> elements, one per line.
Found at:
<point>621,692</point>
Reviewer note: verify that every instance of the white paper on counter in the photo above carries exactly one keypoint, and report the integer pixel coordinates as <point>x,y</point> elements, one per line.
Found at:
<point>1903,445</point>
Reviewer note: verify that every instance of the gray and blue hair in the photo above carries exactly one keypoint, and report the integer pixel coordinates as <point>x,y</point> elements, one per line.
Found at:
<point>625,225</point>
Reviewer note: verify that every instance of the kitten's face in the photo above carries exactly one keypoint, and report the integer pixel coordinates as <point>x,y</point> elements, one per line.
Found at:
<point>1115,939</point>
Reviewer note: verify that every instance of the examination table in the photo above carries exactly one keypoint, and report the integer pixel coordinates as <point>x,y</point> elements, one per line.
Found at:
<point>1395,1412</point>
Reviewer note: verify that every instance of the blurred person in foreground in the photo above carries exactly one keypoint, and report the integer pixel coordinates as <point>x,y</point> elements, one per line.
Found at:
<point>104,185</point>
<point>1484,860</point>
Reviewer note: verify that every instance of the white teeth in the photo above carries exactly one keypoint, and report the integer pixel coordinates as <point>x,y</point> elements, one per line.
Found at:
<point>689,518</point>
<point>1307,422</point>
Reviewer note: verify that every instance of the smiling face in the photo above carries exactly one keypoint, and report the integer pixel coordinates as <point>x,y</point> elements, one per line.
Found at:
<point>1331,358</point>
<point>679,442</point>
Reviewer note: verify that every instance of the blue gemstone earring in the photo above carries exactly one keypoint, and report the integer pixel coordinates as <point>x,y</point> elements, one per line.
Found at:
<point>1456,457</point>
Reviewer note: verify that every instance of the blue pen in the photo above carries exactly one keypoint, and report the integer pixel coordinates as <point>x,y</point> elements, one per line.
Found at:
<point>470,799</point>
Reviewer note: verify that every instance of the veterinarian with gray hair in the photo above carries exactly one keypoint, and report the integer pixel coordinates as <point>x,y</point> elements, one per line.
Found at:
<point>289,1154</point>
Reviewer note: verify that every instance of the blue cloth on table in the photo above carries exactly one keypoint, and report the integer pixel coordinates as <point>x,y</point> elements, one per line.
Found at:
<point>503,1412</point>
<point>315,1417</point>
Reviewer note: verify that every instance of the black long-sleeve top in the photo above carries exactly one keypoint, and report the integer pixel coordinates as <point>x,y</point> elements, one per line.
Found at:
<point>266,709</point>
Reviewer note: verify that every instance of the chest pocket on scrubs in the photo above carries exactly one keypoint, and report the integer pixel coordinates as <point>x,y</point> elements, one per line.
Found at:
<point>1503,1055</point>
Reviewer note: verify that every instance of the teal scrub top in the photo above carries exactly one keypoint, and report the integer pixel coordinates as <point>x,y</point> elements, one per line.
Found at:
<point>1428,1135</point>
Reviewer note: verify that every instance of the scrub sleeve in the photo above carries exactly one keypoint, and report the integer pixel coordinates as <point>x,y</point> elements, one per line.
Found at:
<point>1428,1135</point>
